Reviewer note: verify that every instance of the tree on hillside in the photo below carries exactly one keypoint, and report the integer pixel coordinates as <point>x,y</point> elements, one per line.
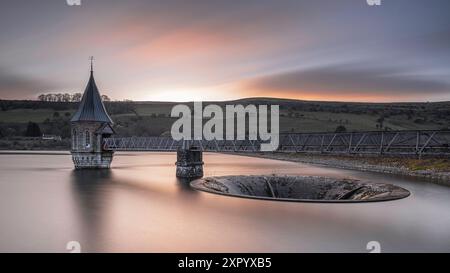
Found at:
<point>60,97</point>
<point>77,97</point>
<point>380,122</point>
<point>341,129</point>
<point>33,130</point>
<point>105,98</point>
<point>67,97</point>
<point>42,97</point>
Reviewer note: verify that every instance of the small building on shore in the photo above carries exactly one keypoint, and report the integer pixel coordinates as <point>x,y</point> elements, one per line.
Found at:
<point>51,137</point>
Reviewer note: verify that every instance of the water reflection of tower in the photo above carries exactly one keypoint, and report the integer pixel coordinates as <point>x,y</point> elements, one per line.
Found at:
<point>90,192</point>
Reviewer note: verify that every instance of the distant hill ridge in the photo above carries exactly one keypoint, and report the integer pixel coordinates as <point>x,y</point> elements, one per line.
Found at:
<point>149,118</point>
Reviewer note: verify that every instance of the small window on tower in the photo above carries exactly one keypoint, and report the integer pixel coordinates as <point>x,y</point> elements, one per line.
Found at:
<point>74,139</point>
<point>88,139</point>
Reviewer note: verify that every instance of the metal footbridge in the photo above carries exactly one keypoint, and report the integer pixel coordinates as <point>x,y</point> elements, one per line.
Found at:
<point>410,143</point>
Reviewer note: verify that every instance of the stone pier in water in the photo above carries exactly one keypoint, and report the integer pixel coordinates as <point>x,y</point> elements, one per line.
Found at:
<point>189,162</point>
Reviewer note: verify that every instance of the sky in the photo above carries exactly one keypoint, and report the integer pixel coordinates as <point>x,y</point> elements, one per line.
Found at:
<point>205,50</point>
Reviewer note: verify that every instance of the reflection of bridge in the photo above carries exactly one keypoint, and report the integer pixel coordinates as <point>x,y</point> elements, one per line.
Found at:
<point>412,143</point>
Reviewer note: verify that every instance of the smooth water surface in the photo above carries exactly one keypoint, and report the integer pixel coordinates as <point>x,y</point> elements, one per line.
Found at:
<point>139,206</point>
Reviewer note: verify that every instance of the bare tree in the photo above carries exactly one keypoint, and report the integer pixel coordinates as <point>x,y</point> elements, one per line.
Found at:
<point>77,97</point>
<point>105,98</point>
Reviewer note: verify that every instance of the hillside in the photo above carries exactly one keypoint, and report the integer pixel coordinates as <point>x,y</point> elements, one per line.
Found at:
<point>153,118</point>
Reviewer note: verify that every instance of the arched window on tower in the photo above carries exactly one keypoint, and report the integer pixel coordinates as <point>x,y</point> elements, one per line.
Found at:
<point>74,138</point>
<point>88,139</point>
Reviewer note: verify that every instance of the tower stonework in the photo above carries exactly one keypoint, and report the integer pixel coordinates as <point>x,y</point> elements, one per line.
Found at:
<point>90,125</point>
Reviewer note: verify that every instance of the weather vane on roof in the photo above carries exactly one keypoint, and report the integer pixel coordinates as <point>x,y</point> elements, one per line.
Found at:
<point>92,63</point>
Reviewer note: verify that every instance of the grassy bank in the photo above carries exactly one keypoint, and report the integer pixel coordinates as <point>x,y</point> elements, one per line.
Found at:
<point>153,118</point>
<point>436,169</point>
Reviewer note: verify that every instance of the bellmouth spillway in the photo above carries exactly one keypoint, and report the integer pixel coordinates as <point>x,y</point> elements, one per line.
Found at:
<point>300,188</point>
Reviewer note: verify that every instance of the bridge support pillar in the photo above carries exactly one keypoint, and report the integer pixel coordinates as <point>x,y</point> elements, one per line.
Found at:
<point>189,162</point>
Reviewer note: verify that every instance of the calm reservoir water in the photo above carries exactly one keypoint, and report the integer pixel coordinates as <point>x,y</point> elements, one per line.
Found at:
<point>139,206</point>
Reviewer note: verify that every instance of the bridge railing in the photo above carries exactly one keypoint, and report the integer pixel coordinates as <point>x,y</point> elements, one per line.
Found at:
<point>388,142</point>
<point>168,144</point>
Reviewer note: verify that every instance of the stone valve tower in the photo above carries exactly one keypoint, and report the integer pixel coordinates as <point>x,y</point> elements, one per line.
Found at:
<point>90,125</point>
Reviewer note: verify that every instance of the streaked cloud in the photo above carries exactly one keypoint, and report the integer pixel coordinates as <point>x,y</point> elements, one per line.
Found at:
<point>229,49</point>
<point>352,81</point>
<point>14,85</point>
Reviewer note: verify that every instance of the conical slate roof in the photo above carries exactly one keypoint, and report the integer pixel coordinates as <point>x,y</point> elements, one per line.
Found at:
<point>91,107</point>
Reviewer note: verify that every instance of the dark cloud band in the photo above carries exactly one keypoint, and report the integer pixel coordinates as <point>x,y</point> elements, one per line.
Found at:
<point>350,79</point>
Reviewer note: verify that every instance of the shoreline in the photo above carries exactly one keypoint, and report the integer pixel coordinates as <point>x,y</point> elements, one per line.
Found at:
<point>398,166</point>
<point>34,152</point>
<point>387,165</point>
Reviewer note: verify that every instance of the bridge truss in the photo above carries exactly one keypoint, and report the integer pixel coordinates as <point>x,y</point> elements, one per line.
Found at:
<point>415,143</point>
